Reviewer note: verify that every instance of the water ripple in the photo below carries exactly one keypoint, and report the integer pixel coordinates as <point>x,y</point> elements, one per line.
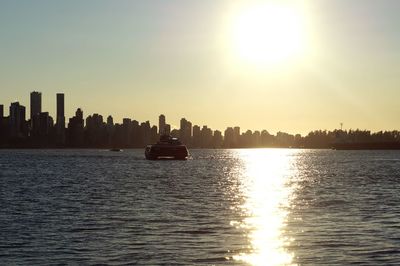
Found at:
<point>223,207</point>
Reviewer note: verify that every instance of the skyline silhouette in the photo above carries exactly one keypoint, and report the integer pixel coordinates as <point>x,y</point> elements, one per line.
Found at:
<point>42,131</point>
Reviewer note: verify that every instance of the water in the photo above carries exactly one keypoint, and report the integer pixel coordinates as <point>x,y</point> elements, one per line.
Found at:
<point>223,207</point>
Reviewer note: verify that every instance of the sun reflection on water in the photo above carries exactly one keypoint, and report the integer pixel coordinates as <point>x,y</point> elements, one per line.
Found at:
<point>265,177</point>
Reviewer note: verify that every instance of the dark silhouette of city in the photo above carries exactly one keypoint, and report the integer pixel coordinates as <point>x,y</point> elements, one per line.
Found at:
<point>40,131</point>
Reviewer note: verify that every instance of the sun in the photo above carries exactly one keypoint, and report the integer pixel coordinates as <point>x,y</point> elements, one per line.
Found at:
<point>268,33</point>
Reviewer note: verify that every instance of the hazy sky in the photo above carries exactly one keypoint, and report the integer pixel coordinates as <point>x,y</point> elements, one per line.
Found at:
<point>139,59</point>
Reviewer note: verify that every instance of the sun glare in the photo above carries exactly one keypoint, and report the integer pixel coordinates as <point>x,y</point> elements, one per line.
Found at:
<point>268,33</point>
<point>266,175</point>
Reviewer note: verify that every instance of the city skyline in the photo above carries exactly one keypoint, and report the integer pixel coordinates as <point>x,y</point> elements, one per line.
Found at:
<point>194,59</point>
<point>36,108</point>
<point>40,130</point>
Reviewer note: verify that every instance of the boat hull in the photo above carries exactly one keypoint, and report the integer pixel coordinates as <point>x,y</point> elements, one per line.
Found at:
<point>159,152</point>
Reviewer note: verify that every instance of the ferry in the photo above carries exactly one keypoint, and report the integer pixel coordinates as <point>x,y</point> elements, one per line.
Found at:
<point>167,148</point>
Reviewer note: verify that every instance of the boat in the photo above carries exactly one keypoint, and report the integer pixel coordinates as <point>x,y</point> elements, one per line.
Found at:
<point>167,148</point>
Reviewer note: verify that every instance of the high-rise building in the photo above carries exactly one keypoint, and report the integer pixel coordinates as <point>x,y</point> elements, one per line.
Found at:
<point>95,134</point>
<point>145,131</point>
<point>196,136</point>
<point>110,121</point>
<point>185,131</point>
<point>153,134</point>
<point>60,119</point>
<point>79,115</point>
<point>36,104</point>
<point>206,137</point>
<point>236,137</point>
<point>188,131</point>
<point>229,137</point>
<point>60,109</point>
<point>45,124</point>
<point>126,131</point>
<point>236,131</point>
<point>1,111</point>
<point>75,129</point>
<point>17,120</point>
<point>36,109</point>
<point>182,128</point>
<point>161,124</point>
<point>167,129</point>
<point>217,139</point>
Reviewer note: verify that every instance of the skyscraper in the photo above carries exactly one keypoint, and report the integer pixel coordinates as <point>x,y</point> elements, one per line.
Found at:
<point>206,137</point>
<point>75,129</point>
<point>196,136</point>
<point>45,124</point>
<point>60,108</point>
<point>217,139</point>
<point>60,119</point>
<point>236,137</point>
<point>79,115</point>
<point>110,121</point>
<point>188,133</point>
<point>185,131</point>
<point>36,104</point>
<point>161,124</point>
<point>17,120</point>
<point>229,137</point>
<point>182,128</point>
<point>168,129</point>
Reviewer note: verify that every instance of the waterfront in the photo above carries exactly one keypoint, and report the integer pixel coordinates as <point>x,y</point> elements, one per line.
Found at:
<point>235,207</point>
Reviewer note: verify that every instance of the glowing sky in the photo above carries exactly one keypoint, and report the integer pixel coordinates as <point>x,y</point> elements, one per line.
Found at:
<point>139,59</point>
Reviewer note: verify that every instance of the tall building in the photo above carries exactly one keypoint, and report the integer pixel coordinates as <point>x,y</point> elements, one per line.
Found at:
<point>185,131</point>
<point>161,124</point>
<point>196,136</point>
<point>182,128</point>
<point>75,129</point>
<point>36,104</point>
<point>229,137</point>
<point>60,109</point>
<point>45,124</point>
<point>188,131</point>
<point>79,115</point>
<point>60,119</point>
<point>145,133</point>
<point>36,109</point>
<point>236,131</point>
<point>153,134</point>
<point>168,129</point>
<point>95,131</point>
<point>236,137</point>
<point>206,137</point>
<point>1,111</point>
<point>126,131</point>
<point>17,120</point>
<point>217,139</point>
<point>110,121</point>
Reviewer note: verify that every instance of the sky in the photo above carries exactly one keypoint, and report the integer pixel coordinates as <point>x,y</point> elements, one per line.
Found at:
<point>139,59</point>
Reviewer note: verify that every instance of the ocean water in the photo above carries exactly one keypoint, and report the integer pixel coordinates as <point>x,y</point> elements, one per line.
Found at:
<point>221,207</point>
